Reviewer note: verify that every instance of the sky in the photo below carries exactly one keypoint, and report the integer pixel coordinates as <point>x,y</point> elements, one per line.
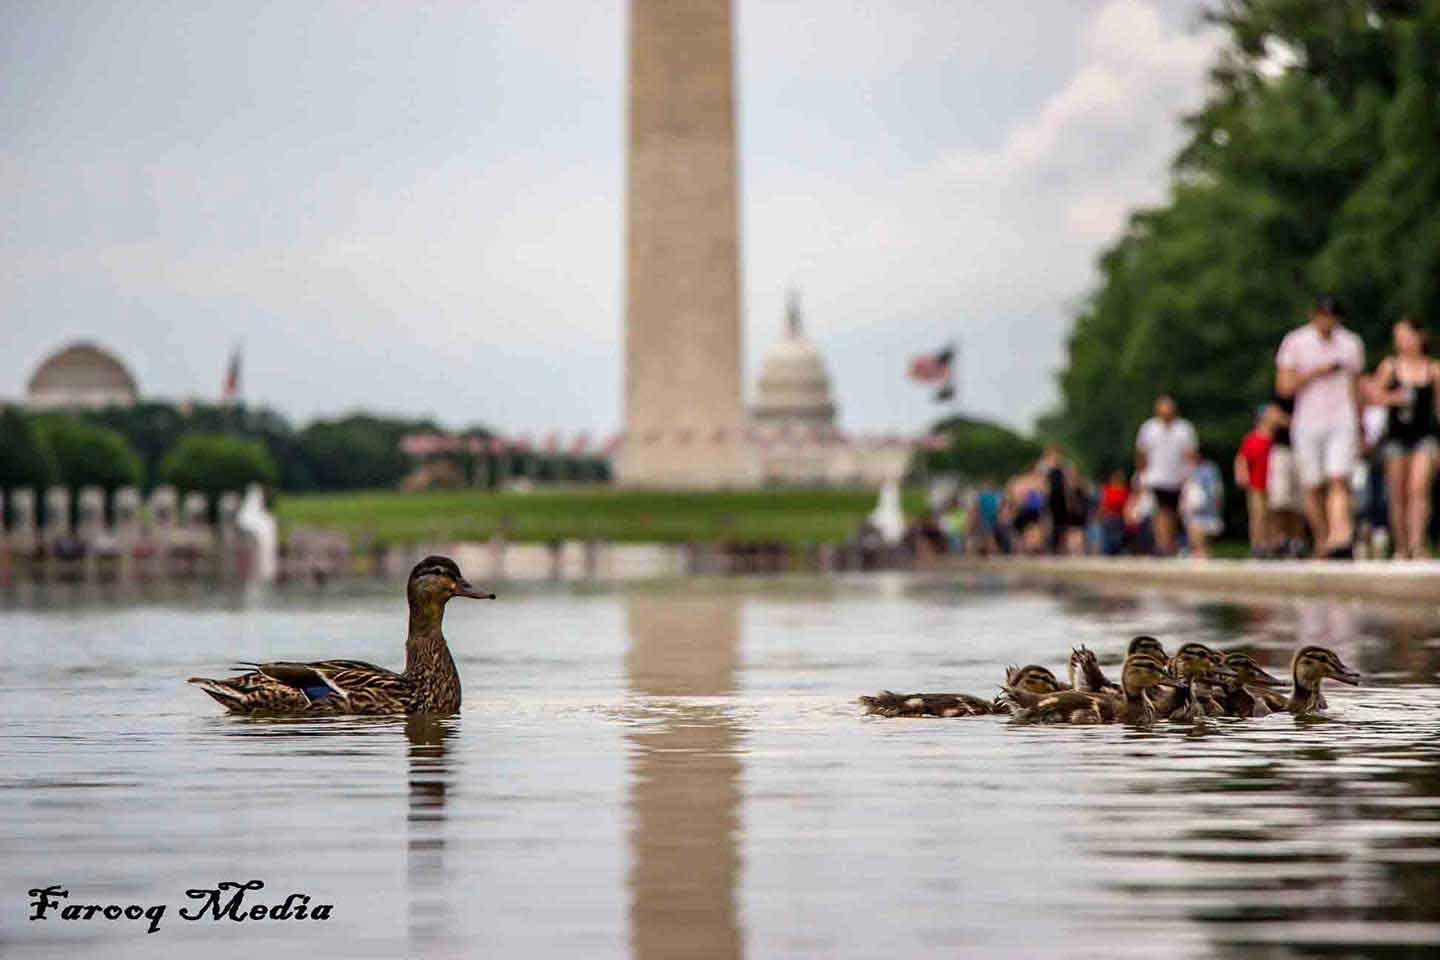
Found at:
<point>416,208</point>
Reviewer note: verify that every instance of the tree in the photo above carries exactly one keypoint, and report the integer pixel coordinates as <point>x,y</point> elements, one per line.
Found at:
<point>1320,177</point>
<point>214,463</point>
<point>358,452</point>
<point>978,449</point>
<point>87,454</point>
<point>25,458</point>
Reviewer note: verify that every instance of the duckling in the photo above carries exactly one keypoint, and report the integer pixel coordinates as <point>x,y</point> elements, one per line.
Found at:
<point>1308,670</point>
<point>886,703</point>
<point>1181,699</point>
<point>1242,701</point>
<point>429,684</point>
<point>1139,674</point>
<point>1086,675</point>
<point>1148,645</point>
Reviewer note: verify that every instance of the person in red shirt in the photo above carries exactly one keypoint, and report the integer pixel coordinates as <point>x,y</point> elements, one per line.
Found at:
<point>1252,467</point>
<point>1113,497</point>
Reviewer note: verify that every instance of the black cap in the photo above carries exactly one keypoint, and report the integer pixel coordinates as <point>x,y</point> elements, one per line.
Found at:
<point>1325,303</point>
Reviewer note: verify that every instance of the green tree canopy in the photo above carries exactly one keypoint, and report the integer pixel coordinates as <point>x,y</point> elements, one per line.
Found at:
<point>88,454</point>
<point>980,449</point>
<point>358,451</point>
<point>214,463</point>
<point>1322,177</point>
<point>25,457</point>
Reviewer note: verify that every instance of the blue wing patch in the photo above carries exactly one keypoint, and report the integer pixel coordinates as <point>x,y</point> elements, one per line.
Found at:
<point>318,693</point>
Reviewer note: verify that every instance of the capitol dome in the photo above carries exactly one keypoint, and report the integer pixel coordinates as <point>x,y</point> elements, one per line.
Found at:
<point>81,375</point>
<point>794,387</point>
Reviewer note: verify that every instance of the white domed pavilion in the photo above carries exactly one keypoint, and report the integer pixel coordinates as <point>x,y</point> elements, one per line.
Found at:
<point>81,375</point>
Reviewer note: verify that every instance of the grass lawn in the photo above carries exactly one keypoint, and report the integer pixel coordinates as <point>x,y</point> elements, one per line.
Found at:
<point>788,516</point>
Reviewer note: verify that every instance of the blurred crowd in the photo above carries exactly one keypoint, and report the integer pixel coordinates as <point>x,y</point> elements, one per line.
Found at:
<point>1340,463</point>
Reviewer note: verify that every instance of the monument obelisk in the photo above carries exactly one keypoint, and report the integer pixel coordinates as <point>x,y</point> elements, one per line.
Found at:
<point>684,415</point>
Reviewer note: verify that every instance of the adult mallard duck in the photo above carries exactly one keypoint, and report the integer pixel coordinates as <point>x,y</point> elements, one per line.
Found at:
<point>1250,692</point>
<point>1139,673</point>
<point>1308,670</point>
<point>429,684</point>
<point>887,703</point>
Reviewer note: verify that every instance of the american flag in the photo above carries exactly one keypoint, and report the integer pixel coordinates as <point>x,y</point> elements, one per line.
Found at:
<point>932,367</point>
<point>230,391</point>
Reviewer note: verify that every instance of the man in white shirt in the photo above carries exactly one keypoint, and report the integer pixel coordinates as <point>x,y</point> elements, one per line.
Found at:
<point>1319,365</point>
<point>1162,455</point>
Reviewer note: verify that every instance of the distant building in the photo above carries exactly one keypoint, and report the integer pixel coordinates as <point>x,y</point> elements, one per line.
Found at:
<point>794,387</point>
<point>81,375</point>
<point>794,436</point>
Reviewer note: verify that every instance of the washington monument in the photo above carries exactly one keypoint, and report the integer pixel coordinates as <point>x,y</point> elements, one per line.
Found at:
<point>685,420</point>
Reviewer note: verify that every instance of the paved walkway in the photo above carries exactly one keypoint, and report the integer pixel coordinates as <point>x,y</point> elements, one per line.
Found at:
<point>1409,581</point>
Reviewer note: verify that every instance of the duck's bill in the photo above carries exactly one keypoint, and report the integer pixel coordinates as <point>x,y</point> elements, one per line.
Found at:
<point>465,589</point>
<point>1263,679</point>
<point>1346,675</point>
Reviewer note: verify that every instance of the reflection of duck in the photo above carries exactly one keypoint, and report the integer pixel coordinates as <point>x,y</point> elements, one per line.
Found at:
<point>1309,669</point>
<point>1032,678</point>
<point>429,684</point>
<point>431,773</point>
<point>1139,673</point>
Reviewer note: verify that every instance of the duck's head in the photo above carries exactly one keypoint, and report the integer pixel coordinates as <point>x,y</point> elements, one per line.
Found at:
<point>1313,664</point>
<point>1248,672</point>
<point>1032,678</point>
<point>1195,661</point>
<point>1141,672</point>
<point>1148,645</point>
<point>436,579</point>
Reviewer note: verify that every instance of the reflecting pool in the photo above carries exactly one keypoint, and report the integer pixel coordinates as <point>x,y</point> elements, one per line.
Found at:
<point>680,770</point>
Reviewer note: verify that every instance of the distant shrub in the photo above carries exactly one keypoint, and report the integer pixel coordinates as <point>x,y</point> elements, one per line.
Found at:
<point>25,457</point>
<point>88,454</point>
<point>213,463</point>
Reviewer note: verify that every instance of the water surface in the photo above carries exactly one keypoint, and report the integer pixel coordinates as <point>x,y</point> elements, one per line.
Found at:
<point>680,770</point>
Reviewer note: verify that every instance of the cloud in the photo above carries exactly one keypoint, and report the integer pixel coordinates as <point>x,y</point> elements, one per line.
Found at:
<point>432,219</point>
<point>993,244</point>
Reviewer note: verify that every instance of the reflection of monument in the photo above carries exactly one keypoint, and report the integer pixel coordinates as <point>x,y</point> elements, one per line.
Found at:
<point>685,795</point>
<point>684,418</point>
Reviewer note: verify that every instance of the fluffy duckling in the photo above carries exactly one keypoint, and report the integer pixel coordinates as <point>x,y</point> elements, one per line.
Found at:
<point>1033,678</point>
<point>1308,671</point>
<point>1148,645</point>
<point>1139,674</point>
<point>1185,697</point>
<point>1250,692</point>
<point>1086,675</point>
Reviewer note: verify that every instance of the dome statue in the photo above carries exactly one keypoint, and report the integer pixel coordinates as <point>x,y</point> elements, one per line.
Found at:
<point>794,388</point>
<point>81,375</point>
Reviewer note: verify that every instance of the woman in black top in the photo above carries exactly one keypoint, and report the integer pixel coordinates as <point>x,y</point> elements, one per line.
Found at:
<point>1406,383</point>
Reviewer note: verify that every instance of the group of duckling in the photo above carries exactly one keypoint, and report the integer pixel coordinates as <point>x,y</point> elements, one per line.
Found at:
<point>1196,681</point>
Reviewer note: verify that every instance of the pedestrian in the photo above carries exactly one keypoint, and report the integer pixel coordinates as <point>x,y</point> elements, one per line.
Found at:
<point>1162,455</point>
<point>1405,384</point>
<point>1202,504</point>
<point>1252,469</point>
<point>985,520</point>
<point>1283,500</point>
<point>1057,500</point>
<point>1318,364</point>
<point>1111,512</point>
